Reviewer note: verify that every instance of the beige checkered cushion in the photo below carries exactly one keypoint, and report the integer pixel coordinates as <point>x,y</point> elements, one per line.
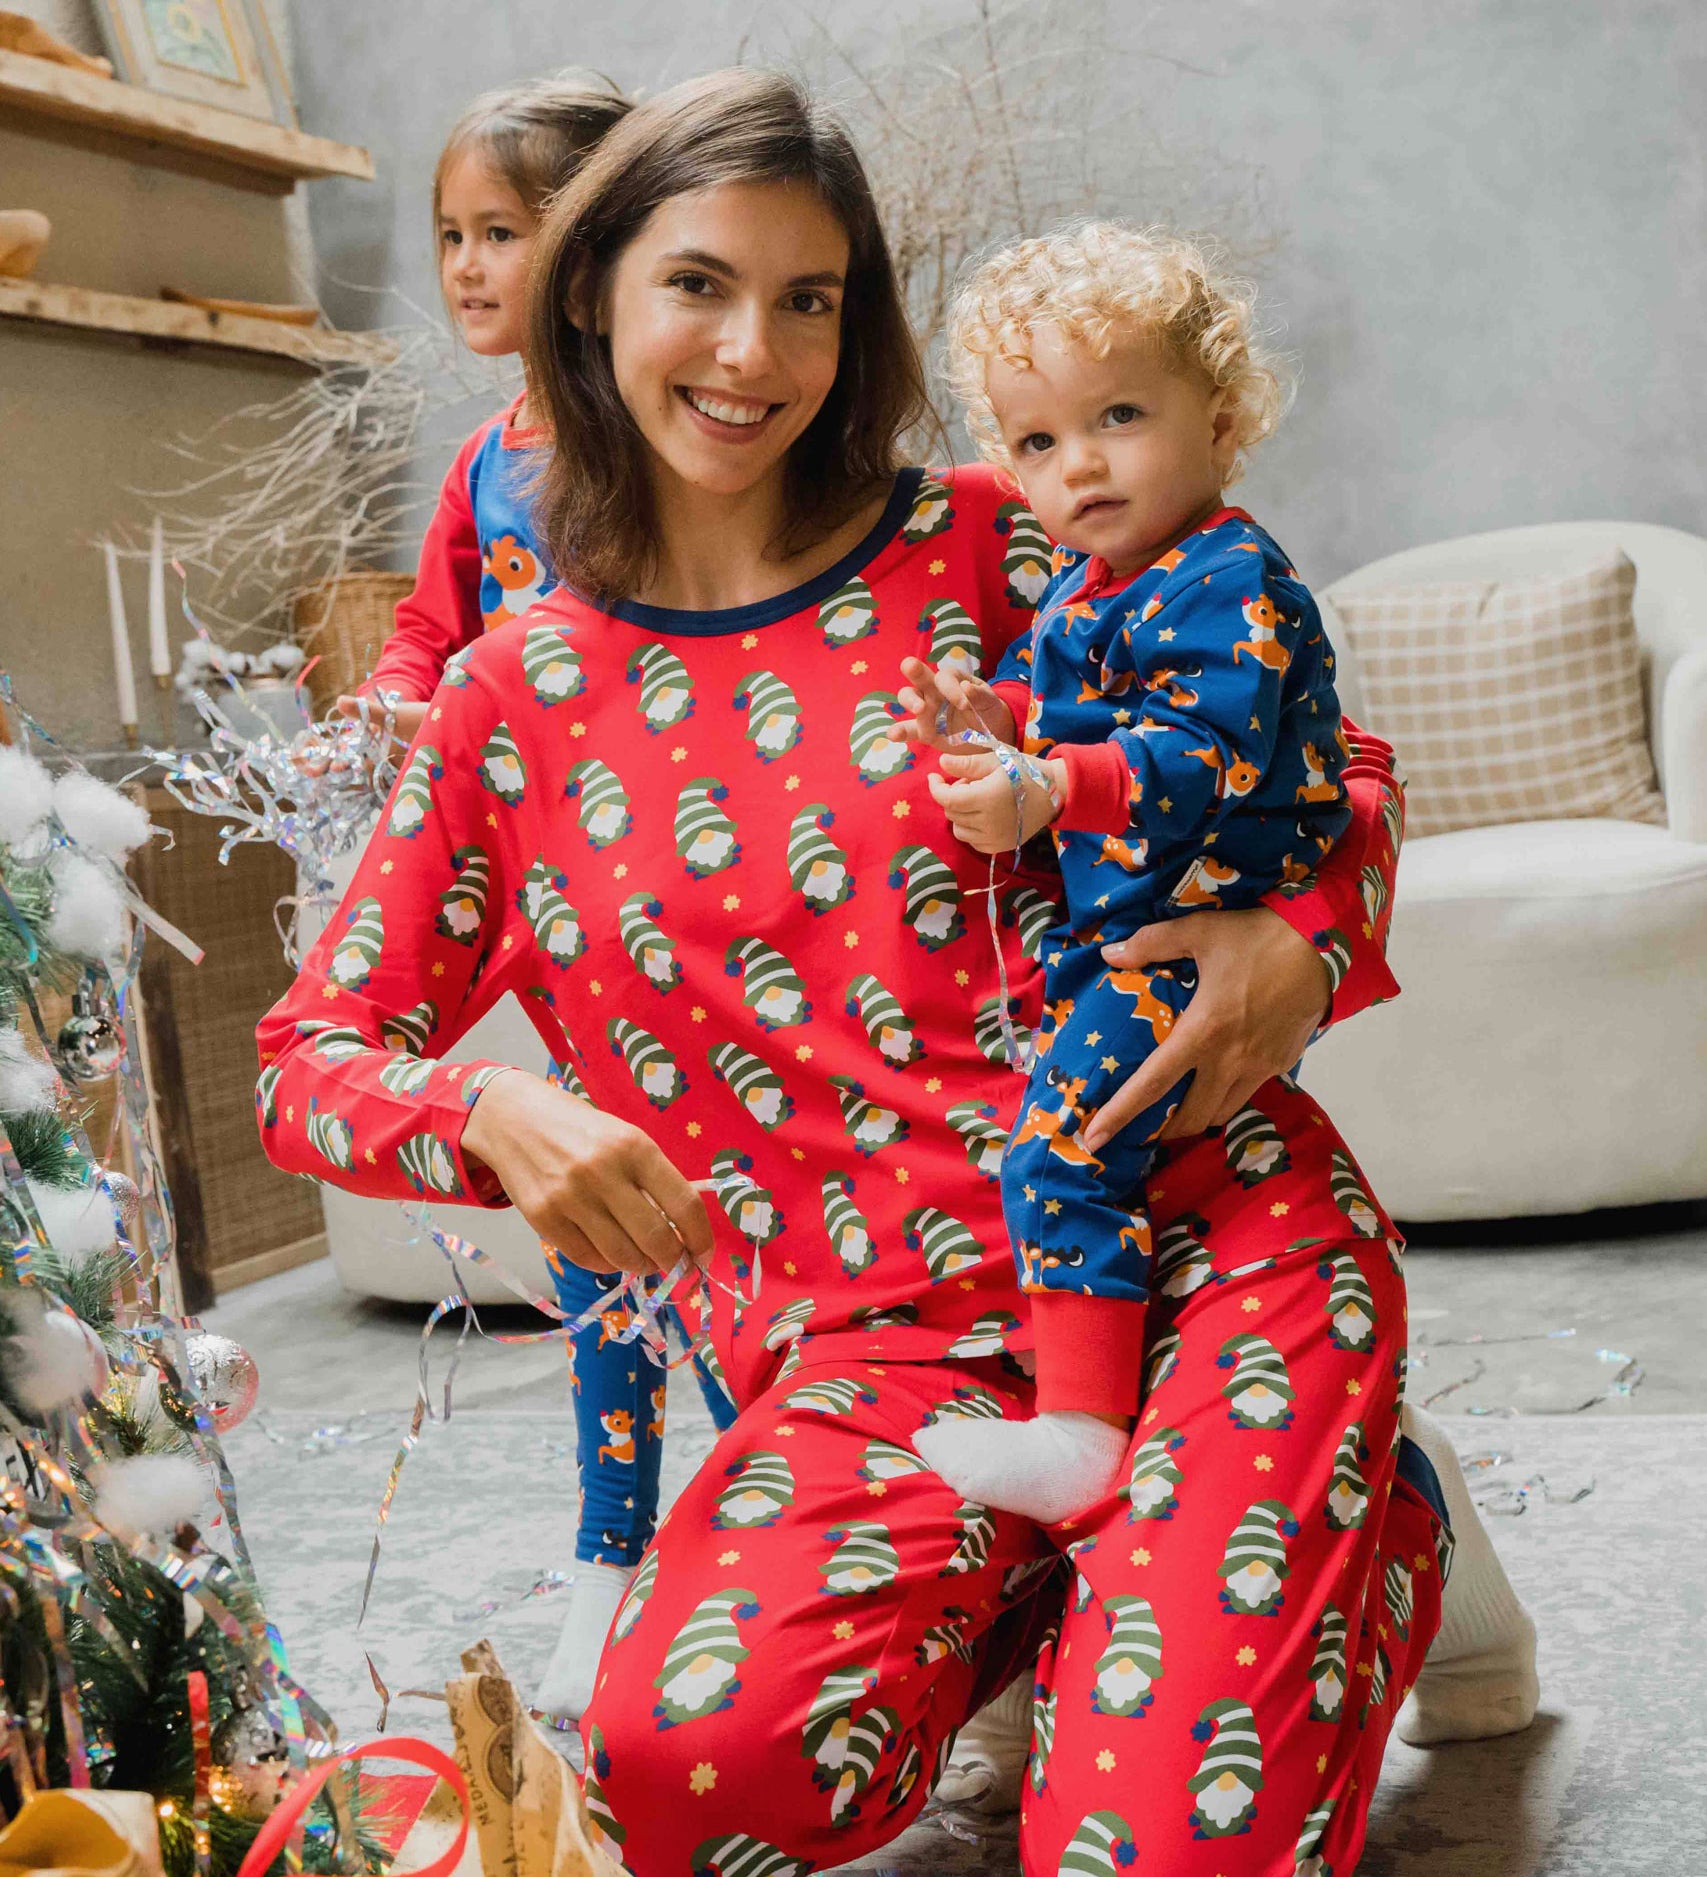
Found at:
<point>1516,700</point>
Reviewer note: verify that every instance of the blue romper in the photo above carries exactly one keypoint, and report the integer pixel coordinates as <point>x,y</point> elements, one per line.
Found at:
<point>1210,673</point>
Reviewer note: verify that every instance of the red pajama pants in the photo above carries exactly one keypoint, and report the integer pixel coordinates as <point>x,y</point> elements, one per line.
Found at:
<point>1220,1650</point>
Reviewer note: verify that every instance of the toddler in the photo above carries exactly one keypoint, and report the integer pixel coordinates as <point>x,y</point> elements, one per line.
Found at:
<point>1183,746</point>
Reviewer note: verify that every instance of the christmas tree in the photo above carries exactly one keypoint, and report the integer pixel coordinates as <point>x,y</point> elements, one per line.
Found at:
<point>135,1652</point>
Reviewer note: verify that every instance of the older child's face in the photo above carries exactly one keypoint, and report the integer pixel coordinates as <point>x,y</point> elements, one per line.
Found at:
<point>485,244</point>
<point>724,320</point>
<point>1117,456</point>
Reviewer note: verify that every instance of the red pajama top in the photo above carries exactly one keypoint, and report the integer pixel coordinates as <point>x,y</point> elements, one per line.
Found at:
<point>684,841</point>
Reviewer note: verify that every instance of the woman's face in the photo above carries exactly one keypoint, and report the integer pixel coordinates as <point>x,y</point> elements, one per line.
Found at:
<point>724,320</point>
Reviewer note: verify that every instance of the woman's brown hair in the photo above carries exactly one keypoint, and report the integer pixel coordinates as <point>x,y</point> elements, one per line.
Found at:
<point>533,135</point>
<point>593,505</point>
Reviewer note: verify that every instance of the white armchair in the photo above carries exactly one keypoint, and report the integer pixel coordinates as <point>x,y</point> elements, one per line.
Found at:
<point>1549,1053</point>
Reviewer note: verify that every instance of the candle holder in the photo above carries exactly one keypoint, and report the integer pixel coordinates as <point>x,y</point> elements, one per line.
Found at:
<point>132,736</point>
<point>162,681</point>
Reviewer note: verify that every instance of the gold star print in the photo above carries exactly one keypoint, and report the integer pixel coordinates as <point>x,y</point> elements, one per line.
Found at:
<point>803,1052</point>
<point>1366,1668</point>
<point>932,1084</point>
<point>1279,1209</point>
<point>438,971</point>
<point>1321,1762</point>
<point>967,1283</point>
<point>784,1433</point>
<point>1381,1631</point>
<point>1111,1063</point>
<point>850,939</point>
<point>1422,1560</point>
<point>1368,930</point>
<point>843,1632</point>
<point>791,783</point>
<point>679,754</point>
<point>620,870</point>
<point>962,978</point>
<point>290,1112</point>
<point>876,1488</point>
<point>509,940</point>
<point>1140,1556</point>
<point>939,566</point>
<point>385,866</point>
<point>1246,1658</point>
<point>370,1157</point>
<point>694,1130</point>
<point>1123,716</point>
<point>748,641</point>
<point>728,1557</point>
<point>902,1176</point>
<point>491,821</point>
<point>1103,901</point>
<point>438,712</point>
<point>859,668</point>
<point>797,1153</point>
<point>1166,633</point>
<point>1052,1207</point>
<point>731,902</point>
<point>577,729</point>
<point>1248,1304</point>
<point>1030,1195</point>
<point>704,1775</point>
<point>597,989</point>
<point>1166,805</point>
<point>1149,1417</point>
<point>1264,1463</point>
<point>331,990</point>
<point>789,1270</point>
<point>1256,723</point>
<point>1353,1386</point>
<point>901,810</point>
<point>1105,1761</point>
<point>697,1014</point>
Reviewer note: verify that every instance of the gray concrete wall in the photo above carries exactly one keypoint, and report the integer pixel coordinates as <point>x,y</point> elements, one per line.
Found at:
<point>1479,221</point>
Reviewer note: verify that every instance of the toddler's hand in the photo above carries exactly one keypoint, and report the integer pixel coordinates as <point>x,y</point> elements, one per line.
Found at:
<point>970,702</point>
<point>980,806</point>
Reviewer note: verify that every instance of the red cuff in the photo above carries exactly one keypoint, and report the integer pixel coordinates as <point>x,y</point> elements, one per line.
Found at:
<point>1099,788</point>
<point>1089,1351</point>
<point>1017,697</point>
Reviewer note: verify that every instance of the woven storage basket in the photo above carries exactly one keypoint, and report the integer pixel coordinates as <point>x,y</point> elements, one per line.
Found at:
<point>344,623</point>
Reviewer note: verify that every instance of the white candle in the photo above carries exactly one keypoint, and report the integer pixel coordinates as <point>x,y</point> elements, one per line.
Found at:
<point>124,676</point>
<point>159,648</point>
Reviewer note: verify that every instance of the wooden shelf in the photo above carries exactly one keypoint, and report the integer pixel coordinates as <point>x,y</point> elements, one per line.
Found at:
<point>160,320</point>
<point>149,127</point>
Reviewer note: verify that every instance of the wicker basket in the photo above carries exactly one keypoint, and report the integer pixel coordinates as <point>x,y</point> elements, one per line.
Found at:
<point>344,623</point>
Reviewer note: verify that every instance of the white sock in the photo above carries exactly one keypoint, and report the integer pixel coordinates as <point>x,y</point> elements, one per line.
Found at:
<point>986,1770</point>
<point>567,1685</point>
<point>1479,1676</point>
<point>1049,1468</point>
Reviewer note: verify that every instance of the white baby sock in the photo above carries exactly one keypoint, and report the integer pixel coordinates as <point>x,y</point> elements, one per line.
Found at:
<point>567,1685</point>
<point>1049,1467</point>
<point>1479,1677</point>
<point>986,1770</point>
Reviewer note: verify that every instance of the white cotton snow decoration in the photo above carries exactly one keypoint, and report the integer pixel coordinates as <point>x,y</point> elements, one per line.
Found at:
<point>97,816</point>
<point>26,796</point>
<point>78,1220</point>
<point>150,1492</point>
<point>28,1085</point>
<point>54,1361</point>
<point>88,914</point>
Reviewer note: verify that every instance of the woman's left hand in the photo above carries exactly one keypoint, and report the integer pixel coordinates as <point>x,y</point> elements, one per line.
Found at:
<point>1262,992</point>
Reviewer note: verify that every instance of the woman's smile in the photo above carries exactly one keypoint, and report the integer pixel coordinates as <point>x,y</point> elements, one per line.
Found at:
<point>725,415</point>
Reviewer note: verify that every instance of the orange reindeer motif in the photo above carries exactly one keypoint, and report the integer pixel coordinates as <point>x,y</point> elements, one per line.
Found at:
<point>1166,563</point>
<point>655,1427</point>
<point>1054,1015</point>
<point>1203,883</point>
<point>518,573</point>
<point>1263,644</point>
<point>1316,787</point>
<point>1045,1124</point>
<point>1135,1238</point>
<point>611,1325</point>
<point>1236,778</point>
<point>619,1424</point>
<point>1126,858</point>
<point>1146,1006</point>
<point>1180,696</point>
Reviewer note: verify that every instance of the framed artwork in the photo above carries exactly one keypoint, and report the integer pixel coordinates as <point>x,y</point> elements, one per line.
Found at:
<point>219,52</point>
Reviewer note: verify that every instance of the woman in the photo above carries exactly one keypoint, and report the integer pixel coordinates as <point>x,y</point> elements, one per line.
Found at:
<point>748,933</point>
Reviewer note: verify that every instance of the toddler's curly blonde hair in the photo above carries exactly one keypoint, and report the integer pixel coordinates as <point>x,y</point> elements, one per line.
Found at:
<point>1096,283</point>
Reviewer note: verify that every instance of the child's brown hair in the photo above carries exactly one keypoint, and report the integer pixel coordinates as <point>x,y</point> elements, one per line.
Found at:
<point>535,136</point>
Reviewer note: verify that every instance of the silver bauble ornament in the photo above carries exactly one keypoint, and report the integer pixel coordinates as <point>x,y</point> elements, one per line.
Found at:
<point>225,1374</point>
<point>90,1047</point>
<point>127,1200</point>
<point>254,1762</point>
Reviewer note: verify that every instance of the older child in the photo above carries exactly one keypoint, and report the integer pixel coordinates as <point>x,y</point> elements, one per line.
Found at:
<point>1182,738</point>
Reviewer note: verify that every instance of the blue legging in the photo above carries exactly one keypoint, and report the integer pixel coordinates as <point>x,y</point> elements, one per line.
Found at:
<point>619,1424</point>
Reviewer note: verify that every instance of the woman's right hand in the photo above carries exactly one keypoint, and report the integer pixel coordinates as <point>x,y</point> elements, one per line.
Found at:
<point>969,702</point>
<point>406,719</point>
<point>598,1189</point>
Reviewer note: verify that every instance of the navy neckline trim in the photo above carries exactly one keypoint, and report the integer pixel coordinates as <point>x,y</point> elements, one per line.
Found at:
<point>676,619</point>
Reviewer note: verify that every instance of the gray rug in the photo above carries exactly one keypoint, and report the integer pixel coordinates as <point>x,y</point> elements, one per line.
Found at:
<point>1607,1551</point>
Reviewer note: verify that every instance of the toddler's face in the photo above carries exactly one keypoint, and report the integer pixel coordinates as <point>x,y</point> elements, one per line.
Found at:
<point>1117,456</point>
<point>485,244</point>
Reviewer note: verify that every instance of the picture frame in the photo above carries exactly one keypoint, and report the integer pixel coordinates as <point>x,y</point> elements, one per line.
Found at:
<point>216,52</point>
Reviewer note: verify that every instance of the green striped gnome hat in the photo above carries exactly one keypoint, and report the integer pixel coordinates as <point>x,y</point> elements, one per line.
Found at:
<point>429,1166</point>
<point>1255,1152</point>
<point>650,950</point>
<point>972,1400</point>
<point>550,664</point>
<point>705,836</point>
<point>1372,884</point>
<point>748,1206</point>
<point>501,767</point>
<point>1229,1776</point>
<point>817,867</point>
<point>1164,1359</point>
<point>867,1740</point>
<point>405,1075</point>
<point>330,1135</point>
<point>414,797</point>
<point>888,1028</point>
<point>846,1225</point>
<point>701,1665</point>
<point>1327,1669</point>
<point>770,986</point>
<point>974,1122</point>
<point>267,1094</point>
<point>656,1072</point>
<point>988,1335</point>
<point>823,1739</point>
<point>356,955</point>
<point>931,905</point>
<point>1259,1391</point>
<point>1128,1669</point>
<point>1151,1486</point>
<point>1183,1262</point>
<point>931,514</point>
<point>1351,1309</point>
<point>1026,564</point>
<point>948,1246</point>
<point>637,1596</point>
<point>761,1488</point>
<point>863,1559</point>
<point>884,1460</point>
<point>666,690</point>
<point>606,1829</point>
<point>836,1394</point>
<point>954,635</point>
<point>756,1086</point>
<point>411,1029</point>
<point>1307,1860</point>
<point>462,905</point>
<point>564,1073</point>
<point>988,1035</point>
<point>773,714</point>
<point>849,613</point>
<point>335,1042</point>
<point>1042,1737</point>
<point>1254,1567</point>
<point>1348,1491</point>
<point>869,1126</point>
<point>1103,1845</point>
<point>977,1534</point>
<point>946,1638</point>
<point>788,1322</point>
<point>1334,949</point>
<point>1351,1197</point>
<point>869,747</point>
<point>737,1855</point>
<point>1401,1605</point>
<point>603,813</point>
<point>1033,913</point>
